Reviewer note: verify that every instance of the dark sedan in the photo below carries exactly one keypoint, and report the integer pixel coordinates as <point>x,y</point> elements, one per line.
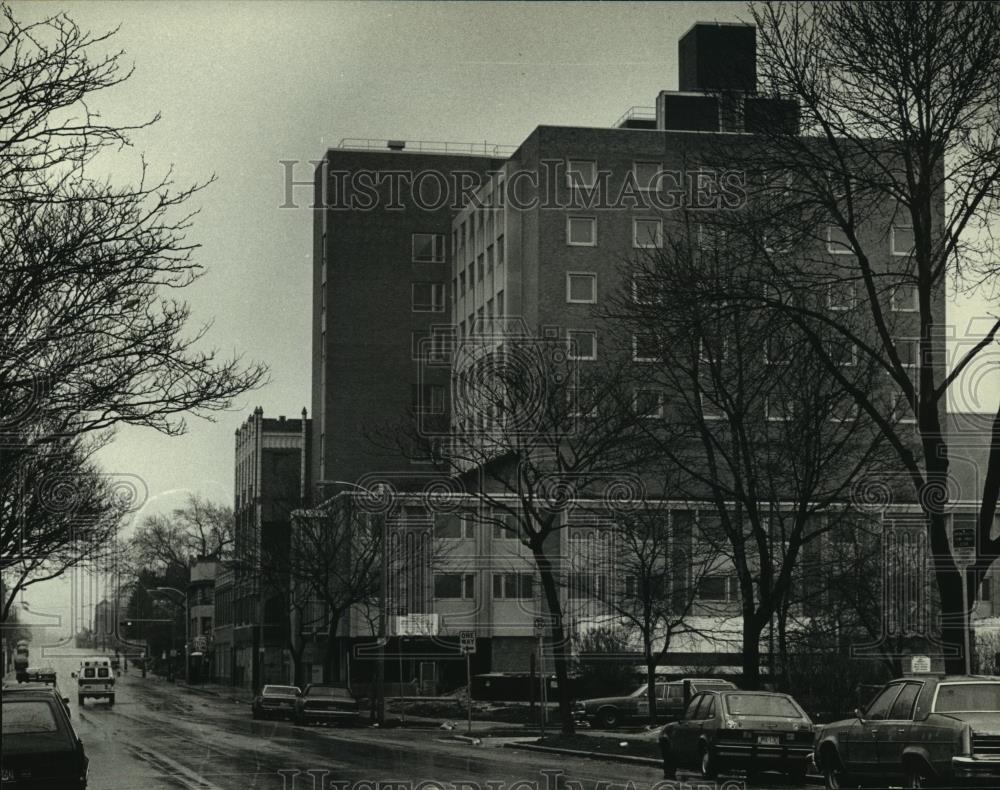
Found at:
<point>275,701</point>
<point>753,730</point>
<point>611,712</point>
<point>326,702</point>
<point>40,749</point>
<point>920,731</point>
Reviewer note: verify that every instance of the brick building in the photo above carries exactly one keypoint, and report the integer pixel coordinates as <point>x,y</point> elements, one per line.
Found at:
<point>272,478</point>
<point>397,286</point>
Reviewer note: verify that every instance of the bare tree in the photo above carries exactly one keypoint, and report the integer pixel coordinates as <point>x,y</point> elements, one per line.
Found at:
<point>91,334</point>
<point>754,426</point>
<point>644,571</point>
<point>898,158</point>
<point>91,338</point>
<point>535,431</point>
<point>198,529</point>
<point>57,512</point>
<point>334,564</point>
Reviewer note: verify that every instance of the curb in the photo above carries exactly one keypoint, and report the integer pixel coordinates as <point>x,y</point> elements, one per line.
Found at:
<point>614,758</point>
<point>611,758</point>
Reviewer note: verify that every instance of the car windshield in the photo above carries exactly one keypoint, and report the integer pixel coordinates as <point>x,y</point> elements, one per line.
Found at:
<point>329,691</point>
<point>280,690</point>
<point>967,698</point>
<point>761,705</point>
<point>21,718</point>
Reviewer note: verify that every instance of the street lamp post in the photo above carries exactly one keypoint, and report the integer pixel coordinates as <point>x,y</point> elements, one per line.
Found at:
<point>182,604</point>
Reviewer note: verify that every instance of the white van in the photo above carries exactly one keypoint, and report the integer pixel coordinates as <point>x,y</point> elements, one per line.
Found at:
<point>96,679</point>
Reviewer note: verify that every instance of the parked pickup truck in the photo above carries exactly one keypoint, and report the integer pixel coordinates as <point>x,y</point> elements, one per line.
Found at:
<point>671,699</point>
<point>919,731</point>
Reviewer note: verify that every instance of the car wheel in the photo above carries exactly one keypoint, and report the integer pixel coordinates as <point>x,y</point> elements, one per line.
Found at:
<point>918,775</point>
<point>255,713</point>
<point>609,718</point>
<point>111,702</point>
<point>708,768</point>
<point>834,777</point>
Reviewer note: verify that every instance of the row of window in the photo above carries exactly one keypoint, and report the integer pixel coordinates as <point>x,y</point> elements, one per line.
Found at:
<point>479,269</point>
<point>579,586</point>
<point>581,288</point>
<point>650,404</point>
<point>506,586</point>
<point>581,231</point>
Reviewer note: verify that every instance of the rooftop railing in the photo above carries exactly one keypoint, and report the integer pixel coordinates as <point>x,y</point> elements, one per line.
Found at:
<point>429,146</point>
<point>636,113</point>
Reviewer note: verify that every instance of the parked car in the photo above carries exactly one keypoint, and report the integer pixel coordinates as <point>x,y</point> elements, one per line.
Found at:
<point>919,731</point>
<point>39,747</point>
<point>611,712</point>
<point>43,678</point>
<point>326,702</point>
<point>275,701</point>
<point>40,675</point>
<point>752,730</point>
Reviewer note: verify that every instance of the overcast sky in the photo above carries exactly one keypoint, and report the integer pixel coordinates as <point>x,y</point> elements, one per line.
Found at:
<point>244,85</point>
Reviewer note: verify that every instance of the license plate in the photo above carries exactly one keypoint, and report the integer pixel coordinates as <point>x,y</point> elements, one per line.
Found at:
<point>767,740</point>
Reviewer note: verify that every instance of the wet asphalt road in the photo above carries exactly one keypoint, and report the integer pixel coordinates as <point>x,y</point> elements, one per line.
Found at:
<point>159,737</point>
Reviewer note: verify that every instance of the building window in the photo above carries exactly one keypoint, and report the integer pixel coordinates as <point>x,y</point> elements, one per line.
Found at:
<point>647,233</point>
<point>513,586</point>
<point>428,346</point>
<point>710,410</point>
<point>581,344</point>
<point>500,306</point>
<point>837,242</point>
<point>647,175</point>
<point>504,526</point>
<point>776,350</point>
<point>778,409</point>
<point>581,231</point>
<point>908,350</point>
<point>454,585</point>
<point>716,588</point>
<point>427,297</point>
<point>844,411</point>
<point>645,289</point>
<point>500,251</point>
<point>843,354</point>
<point>840,296</point>
<point>905,298</point>
<point>452,526</point>
<point>428,247</point>
<point>645,347</point>
<point>461,282</point>
<point>480,270</point>
<point>581,402</point>
<point>581,173</point>
<point>489,259</point>
<point>430,400</point>
<point>648,404</point>
<point>902,241</point>
<point>581,287</point>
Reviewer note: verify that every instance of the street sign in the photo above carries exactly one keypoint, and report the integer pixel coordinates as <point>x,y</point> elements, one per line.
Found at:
<point>539,626</point>
<point>920,665</point>
<point>467,641</point>
<point>963,541</point>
